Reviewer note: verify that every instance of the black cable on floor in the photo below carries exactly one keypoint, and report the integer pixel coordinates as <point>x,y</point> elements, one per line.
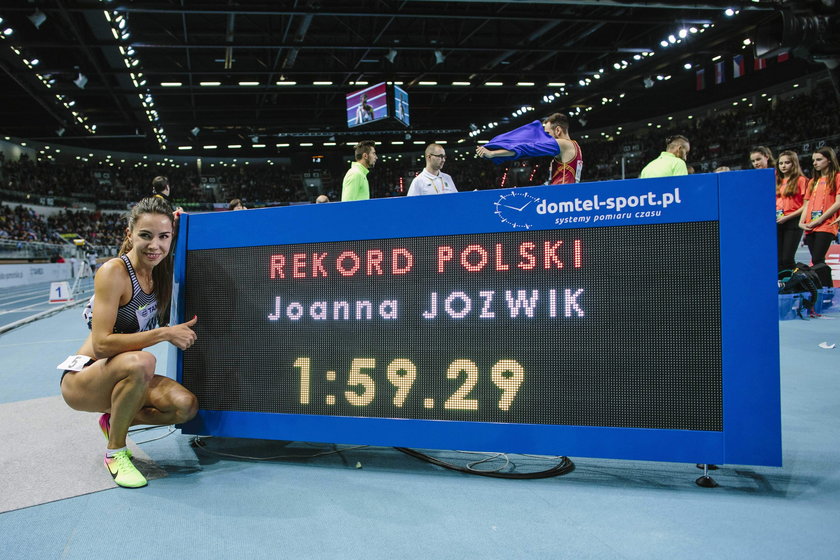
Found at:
<point>564,467</point>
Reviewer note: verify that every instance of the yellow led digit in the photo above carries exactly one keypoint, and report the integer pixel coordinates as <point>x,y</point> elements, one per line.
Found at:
<point>305,367</point>
<point>508,375</point>
<point>459,400</point>
<point>356,378</point>
<point>401,373</point>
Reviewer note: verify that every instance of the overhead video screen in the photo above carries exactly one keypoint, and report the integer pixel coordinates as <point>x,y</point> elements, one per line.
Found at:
<point>367,105</point>
<point>401,112</point>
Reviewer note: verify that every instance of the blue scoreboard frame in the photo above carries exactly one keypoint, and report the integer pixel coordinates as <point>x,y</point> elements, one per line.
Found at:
<point>738,204</point>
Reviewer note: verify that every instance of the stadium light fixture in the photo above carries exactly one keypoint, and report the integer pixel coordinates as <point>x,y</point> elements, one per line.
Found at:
<point>81,81</point>
<point>38,18</point>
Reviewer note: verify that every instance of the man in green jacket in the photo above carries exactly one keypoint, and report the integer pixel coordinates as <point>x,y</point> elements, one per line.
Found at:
<point>355,185</point>
<point>671,162</point>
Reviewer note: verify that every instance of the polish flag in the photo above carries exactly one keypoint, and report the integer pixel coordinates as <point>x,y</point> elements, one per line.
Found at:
<point>759,64</point>
<point>783,56</point>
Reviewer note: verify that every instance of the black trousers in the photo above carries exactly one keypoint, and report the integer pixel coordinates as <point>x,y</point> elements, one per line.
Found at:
<point>818,244</point>
<point>788,236</point>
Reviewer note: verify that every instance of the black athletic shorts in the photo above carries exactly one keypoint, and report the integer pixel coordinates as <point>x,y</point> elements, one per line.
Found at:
<point>66,371</point>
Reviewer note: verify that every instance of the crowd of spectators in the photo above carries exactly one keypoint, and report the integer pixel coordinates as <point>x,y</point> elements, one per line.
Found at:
<point>97,228</point>
<point>19,223</point>
<point>721,137</point>
<point>263,183</point>
<point>127,182</point>
<point>23,224</point>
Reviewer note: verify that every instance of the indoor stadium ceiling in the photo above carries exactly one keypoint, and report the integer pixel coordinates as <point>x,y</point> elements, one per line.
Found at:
<point>153,76</point>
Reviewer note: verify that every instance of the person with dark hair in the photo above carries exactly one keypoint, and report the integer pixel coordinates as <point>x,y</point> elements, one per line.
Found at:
<point>566,166</point>
<point>549,137</point>
<point>355,184</point>
<point>790,197</point>
<point>671,162</point>
<point>160,189</point>
<point>819,213</point>
<point>762,158</point>
<point>111,373</point>
<point>236,204</point>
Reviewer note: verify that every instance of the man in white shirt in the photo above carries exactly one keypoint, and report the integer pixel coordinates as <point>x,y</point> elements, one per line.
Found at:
<point>432,180</point>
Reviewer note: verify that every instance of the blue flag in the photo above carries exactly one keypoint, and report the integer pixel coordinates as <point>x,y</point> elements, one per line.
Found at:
<point>530,140</point>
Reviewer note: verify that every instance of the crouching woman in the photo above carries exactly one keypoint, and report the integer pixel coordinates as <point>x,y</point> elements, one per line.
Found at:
<point>111,372</point>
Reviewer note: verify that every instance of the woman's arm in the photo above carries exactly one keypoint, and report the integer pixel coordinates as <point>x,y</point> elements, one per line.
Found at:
<point>829,214</point>
<point>792,215</point>
<point>803,216</point>
<point>110,283</point>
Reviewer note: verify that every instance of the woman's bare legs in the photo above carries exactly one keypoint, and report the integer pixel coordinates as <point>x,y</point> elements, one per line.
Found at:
<point>126,386</point>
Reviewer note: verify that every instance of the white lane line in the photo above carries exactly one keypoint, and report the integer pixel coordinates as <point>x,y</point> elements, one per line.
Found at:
<point>13,302</point>
<point>24,308</point>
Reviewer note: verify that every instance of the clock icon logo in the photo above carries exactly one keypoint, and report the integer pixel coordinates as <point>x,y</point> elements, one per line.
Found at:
<point>511,208</point>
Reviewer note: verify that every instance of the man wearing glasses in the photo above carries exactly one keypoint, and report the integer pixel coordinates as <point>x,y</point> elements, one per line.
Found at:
<point>432,180</point>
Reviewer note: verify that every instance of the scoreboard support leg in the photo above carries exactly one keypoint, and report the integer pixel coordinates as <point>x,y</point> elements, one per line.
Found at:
<point>706,481</point>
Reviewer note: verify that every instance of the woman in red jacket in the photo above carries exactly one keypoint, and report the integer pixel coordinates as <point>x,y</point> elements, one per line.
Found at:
<point>822,201</point>
<point>790,198</point>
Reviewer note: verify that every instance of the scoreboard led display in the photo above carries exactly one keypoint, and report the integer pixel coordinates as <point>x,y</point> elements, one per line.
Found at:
<point>576,321</point>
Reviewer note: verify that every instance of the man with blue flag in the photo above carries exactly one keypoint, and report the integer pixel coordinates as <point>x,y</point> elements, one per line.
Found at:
<point>547,138</point>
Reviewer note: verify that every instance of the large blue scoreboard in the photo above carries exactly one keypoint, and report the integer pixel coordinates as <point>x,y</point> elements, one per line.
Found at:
<point>625,319</point>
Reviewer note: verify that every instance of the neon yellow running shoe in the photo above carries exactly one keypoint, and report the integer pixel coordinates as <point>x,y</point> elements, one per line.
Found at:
<point>124,472</point>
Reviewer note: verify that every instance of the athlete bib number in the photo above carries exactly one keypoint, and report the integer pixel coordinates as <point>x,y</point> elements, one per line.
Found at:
<point>74,363</point>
